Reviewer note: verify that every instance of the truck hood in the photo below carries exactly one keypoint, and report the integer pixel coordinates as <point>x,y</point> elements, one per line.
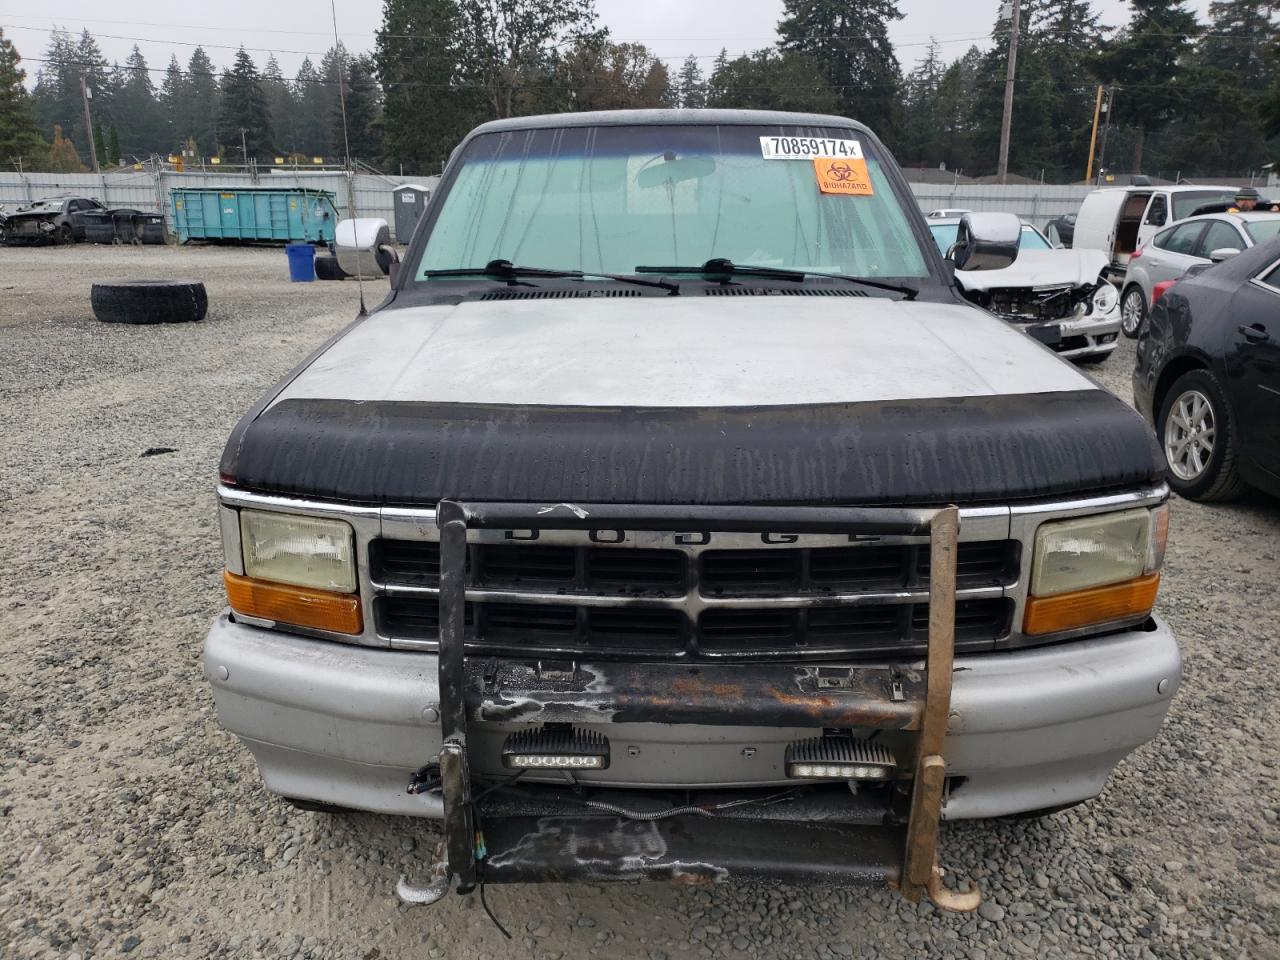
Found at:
<point>709,351</point>
<point>1039,268</point>
<point>704,400</point>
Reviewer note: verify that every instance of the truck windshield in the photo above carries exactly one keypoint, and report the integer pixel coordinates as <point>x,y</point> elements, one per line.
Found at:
<point>609,199</point>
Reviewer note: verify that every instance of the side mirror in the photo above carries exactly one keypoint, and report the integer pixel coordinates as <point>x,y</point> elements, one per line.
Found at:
<point>363,247</point>
<point>1222,253</point>
<point>986,241</point>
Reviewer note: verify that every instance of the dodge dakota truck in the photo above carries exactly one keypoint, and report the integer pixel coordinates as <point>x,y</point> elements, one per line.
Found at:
<point>676,517</point>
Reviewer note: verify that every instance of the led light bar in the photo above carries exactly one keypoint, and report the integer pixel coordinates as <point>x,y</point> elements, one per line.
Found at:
<point>840,758</point>
<point>556,748</point>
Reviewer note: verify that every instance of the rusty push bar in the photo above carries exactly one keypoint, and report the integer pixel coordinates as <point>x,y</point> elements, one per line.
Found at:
<point>464,848</point>
<point>920,871</point>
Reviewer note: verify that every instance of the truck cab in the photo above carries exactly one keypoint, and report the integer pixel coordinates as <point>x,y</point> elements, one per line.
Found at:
<point>676,517</point>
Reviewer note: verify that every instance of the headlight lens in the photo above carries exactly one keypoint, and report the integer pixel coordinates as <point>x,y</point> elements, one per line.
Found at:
<point>303,551</point>
<point>1105,298</point>
<point>1091,551</point>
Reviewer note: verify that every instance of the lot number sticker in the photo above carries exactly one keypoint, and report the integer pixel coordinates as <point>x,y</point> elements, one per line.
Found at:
<point>807,148</point>
<point>837,175</point>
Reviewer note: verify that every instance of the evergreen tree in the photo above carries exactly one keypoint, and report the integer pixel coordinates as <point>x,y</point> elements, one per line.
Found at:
<point>57,84</point>
<point>173,96</point>
<point>364,113</point>
<point>135,111</point>
<point>324,101</point>
<point>849,40</point>
<point>691,86</point>
<point>200,115</point>
<point>311,132</point>
<point>113,145</point>
<point>242,117</point>
<point>20,140</point>
<point>1148,60</point>
<point>100,144</point>
<point>918,140</point>
<point>427,106</point>
<point>1063,39</point>
<point>957,91</point>
<point>281,106</point>
<point>1227,77</point>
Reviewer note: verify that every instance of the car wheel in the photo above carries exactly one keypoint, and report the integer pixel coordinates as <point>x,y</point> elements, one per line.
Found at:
<point>149,301</point>
<point>65,236</point>
<point>1133,310</point>
<point>1195,430</point>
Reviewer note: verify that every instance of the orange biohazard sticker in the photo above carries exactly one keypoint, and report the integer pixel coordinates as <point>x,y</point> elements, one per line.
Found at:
<point>843,175</point>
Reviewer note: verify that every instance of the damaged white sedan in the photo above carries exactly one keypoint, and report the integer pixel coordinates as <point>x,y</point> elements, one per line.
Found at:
<point>1058,297</point>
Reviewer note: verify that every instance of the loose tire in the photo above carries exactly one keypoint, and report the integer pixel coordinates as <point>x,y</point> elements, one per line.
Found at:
<point>1196,432</point>
<point>149,301</point>
<point>1133,311</point>
<point>327,269</point>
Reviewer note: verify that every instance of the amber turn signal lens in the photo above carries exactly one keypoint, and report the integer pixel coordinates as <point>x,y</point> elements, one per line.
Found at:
<point>299,606</point>
<point>1082,608</point>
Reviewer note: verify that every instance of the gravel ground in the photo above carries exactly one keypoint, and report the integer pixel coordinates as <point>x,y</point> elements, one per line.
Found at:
<point>131,824</point>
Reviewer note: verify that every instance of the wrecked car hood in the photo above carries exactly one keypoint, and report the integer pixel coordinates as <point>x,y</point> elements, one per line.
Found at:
<point>689,351</point>
<point>1039,268</point>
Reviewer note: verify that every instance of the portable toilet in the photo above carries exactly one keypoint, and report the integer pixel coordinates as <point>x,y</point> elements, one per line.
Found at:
<point>409,200</point>
<point>246,214</point>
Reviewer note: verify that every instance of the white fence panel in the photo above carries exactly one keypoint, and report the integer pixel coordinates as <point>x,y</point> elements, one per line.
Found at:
<point>149,190</point>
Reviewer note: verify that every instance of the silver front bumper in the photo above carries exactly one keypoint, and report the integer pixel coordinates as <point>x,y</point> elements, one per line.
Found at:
<point>348,725</point>
<point>1095,330</point>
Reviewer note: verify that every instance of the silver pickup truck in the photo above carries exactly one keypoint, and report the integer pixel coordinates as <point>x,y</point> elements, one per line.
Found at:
<point>676,517</point>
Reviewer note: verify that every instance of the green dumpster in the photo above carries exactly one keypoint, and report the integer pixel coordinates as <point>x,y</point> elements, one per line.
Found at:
<point>253,214</point>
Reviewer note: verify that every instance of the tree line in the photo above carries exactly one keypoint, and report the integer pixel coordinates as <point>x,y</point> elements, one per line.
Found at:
<point>1182,95</point>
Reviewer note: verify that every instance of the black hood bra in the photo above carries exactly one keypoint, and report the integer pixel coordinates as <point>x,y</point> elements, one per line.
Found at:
<point>901,452</point>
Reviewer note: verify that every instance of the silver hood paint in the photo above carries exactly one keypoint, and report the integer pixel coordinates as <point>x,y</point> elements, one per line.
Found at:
<point>1039,268</point>
<point>690,351</point>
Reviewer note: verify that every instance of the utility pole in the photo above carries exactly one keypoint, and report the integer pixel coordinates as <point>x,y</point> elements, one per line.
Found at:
<point>1107,106</point>
<point>88,124</point>
<point>1007,122</point>
<point>1093,137</point>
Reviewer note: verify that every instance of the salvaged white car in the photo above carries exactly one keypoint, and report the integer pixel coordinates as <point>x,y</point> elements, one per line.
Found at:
<point>1059,297</point>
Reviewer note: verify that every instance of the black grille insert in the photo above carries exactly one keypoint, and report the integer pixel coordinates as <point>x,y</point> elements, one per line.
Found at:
<point>848,569</point>
<point>593,570</point>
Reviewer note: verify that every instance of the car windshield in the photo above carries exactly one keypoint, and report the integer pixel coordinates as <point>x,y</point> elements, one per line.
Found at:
<point>1261,231</point>
<point>610,199</point>
<point>944,235</point>
<point>1186,202</point>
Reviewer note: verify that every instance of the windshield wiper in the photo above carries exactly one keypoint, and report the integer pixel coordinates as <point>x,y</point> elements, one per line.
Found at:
<point>720,267</point>
<point>506,270</point>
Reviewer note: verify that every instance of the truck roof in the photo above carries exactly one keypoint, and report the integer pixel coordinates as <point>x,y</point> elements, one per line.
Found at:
<point>631,118</point>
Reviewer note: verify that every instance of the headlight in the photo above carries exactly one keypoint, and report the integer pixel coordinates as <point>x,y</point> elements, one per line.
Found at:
<point>1105,298</point>
<point>1092,570</point>
<point>303,551</point>
<point>1090,551</point>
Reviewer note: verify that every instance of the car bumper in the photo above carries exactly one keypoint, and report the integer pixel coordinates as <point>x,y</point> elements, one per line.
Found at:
<point>1087,336</point>
<point>348,725</point>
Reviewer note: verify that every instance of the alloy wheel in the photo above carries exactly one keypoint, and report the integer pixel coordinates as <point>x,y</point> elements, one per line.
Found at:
<point>1131,312</point>
<point>1189,435</point>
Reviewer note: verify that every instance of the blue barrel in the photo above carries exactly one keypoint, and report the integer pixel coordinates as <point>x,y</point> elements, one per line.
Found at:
<point>302,262</point>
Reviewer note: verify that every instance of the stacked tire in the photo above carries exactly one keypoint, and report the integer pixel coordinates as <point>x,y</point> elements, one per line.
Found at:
<point>150,301</point>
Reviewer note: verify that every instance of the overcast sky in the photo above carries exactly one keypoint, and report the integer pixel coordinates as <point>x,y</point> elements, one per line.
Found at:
<point>294,28</point>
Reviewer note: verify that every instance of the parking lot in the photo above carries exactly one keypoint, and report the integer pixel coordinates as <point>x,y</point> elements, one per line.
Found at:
<point>130,823</point>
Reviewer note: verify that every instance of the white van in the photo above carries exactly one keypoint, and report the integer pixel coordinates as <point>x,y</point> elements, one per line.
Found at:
<point>1118,220</point>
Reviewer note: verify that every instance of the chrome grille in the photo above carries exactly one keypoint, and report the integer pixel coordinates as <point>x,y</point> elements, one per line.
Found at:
<point>627,600</point>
